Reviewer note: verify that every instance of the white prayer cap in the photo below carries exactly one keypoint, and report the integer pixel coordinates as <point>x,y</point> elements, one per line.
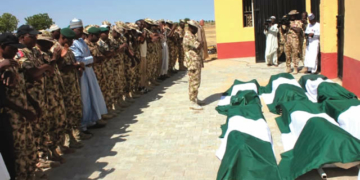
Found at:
<point>76,23</point>
<point>272,17</point>
<point>54,27</point>
<point>311,16</point>
<point>104,26</point>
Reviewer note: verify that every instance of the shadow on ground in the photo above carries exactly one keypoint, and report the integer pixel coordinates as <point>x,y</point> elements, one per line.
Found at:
<point>85,162</point>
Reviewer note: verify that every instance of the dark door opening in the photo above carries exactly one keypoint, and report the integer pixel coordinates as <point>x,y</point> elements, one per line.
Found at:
<point>263,9</point>
<point>340,36</point>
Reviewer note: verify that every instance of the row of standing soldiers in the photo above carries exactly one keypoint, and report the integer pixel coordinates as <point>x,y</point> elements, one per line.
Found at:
<point>46,121</point>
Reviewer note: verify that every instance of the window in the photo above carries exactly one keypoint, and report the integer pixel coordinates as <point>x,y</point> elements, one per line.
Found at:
<point>248,7</point>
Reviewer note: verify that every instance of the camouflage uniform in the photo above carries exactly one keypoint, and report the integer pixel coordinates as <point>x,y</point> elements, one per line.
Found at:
<point>32,59</point>
<point>71,93</point>
<point>292,45</point>
<point>173,49</point>
<point>194,63</point>
<point>181,33</point>
<point>107,81</point>
<point>57,121</point>
<point>135,71</point>
<point>282,41</point>
<point>150,56</point>
<point>24,146</point>
<point>119,69</point>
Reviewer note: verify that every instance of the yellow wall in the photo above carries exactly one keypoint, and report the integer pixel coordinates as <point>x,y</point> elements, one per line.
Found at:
<point>352,27</point>
<point>308,6</point>
<point>229,22</point>
<point>328,31</point>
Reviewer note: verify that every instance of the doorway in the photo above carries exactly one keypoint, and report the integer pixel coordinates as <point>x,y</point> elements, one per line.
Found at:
<point>340,36</point>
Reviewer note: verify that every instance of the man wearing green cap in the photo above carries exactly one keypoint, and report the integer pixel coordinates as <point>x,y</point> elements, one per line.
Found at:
<point>107,81</point>
<point>18,147</point>
<point>70,74</point>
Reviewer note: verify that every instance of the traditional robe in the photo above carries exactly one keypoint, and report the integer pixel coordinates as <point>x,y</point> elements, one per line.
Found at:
<point>271,45</point>
<point>92,98</point>
<point>312,50</point>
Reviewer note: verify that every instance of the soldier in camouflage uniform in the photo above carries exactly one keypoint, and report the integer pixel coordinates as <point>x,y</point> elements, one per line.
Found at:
<point>57,122</point>
<point>173,39</point>
<point>151,55</point>
<point>107,80</point>
<point>292,45</point>
<point>281,37</point>
<point>134,50</point>
<point>30,61</point>
<point>20,117</point>
<point>181,31</point>
<point>70,74</point>
<point>194,62</point>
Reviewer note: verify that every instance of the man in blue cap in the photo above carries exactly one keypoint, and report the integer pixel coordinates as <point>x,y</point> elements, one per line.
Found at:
<point>92,99</point>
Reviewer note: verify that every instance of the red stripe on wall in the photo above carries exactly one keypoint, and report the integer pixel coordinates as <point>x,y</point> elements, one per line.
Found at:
<point>329,66</point>
<point>236,50</point>
<point>351,75</point>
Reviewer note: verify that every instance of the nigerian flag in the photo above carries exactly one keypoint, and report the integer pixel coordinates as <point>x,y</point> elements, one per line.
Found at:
<point>319,88</point>
<point>346,113</point>
<point>239,94</point>
<point>311,139</point>
<point>281,88</point>
<point>246,149</point>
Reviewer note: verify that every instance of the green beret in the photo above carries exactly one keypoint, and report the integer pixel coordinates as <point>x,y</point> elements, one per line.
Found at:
<point>94,30</point>
<point>104,29</point>
<point>68,33</point>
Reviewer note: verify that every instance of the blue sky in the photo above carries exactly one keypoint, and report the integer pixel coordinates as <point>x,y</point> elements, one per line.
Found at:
<point>96,11</point>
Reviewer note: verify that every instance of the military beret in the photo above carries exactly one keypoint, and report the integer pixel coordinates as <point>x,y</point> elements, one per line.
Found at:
<point>104,29</point>
<point>94,30</point>
<point>68,33</point>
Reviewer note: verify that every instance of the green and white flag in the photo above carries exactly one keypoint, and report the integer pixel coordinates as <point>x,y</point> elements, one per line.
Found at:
<point>240,93</point>
<point>346,113</point>
<point>311,139</point>
<point>281,88</point>
<point>246,150</point>
<point>319,88</point>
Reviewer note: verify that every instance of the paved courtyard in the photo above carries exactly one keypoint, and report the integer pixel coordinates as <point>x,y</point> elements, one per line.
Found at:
<point>158,137</point>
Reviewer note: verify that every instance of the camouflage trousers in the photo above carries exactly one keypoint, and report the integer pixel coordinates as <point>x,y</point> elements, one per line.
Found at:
<point>58,122</point>
<point>194,83</point>
<point>119,79</point>
<point>173,54</point>
<point>131,76</point>
<point>281,50</point>
<point>159,60</point>
<point>181,57</point>
<point>150,65</point>
<point>73,108</point>
<point>24,146</point>
<point>303,48</point>
<point>292,51</point>
<point>107,83</point>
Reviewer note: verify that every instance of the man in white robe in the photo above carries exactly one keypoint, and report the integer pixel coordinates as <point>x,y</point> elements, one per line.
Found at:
<point>312,48</point>
<point>271,34</point>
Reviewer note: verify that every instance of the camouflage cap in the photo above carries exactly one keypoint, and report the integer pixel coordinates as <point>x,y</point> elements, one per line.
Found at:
<point>293,12</point>
<point>117,29</point>
<point>150,21</point>
<point>169,22</point>
<point>194,23</point>
<point>182,20</point>
<point>122,25</point>
<point>45,36</point>
<point>106,23</point>
<point>86,29</point>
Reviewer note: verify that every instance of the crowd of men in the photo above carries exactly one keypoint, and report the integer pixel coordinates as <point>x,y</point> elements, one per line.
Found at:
<point>57,84</point>
<point>298,39</point>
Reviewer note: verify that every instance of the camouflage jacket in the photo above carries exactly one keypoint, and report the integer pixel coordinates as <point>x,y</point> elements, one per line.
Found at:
<point>104,46</point>
<point>115,44</point>
<point>172,41</point>
<point>16,94</point>
<point>54,83</point>
<point>29,59</point>
<point>291,33</point>
<point>181,33</point>
<point>192,51</point>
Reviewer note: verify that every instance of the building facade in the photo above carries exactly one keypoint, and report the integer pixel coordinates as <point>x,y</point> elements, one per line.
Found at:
<point>236,34</point>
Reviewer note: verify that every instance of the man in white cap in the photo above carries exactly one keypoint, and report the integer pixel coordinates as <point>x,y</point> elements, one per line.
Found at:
<point>193,48</point>
<point>55,31</point>
<point>312,48</point>
<point>92,98</point>
<point>271,33</point>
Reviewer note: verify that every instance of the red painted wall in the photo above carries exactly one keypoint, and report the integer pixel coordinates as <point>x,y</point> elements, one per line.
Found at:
<point>351,75</point>
<point>236,50</point>
<point>329,66</point>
